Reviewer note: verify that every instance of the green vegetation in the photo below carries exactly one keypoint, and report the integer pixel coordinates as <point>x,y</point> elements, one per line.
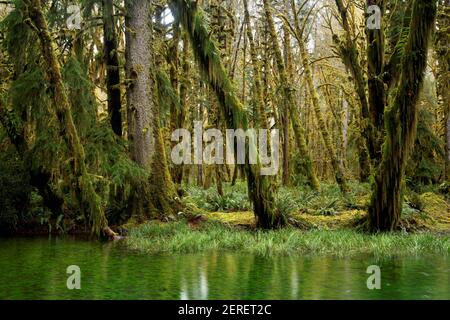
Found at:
<point>86,117</point>
<point>99,122</point>
<point>181,237</point>
<point>321,223</point>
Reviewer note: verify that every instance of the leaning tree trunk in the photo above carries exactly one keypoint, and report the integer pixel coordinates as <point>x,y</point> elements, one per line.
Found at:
<point>261,188</point>
<point>111,59</point>
<point>401,121</point>
<point>326,137</point>
<point>147,148</point>
<point>261,117</point>
<point>289,100</point>
<point>348,53</point>
<point>89,200</point>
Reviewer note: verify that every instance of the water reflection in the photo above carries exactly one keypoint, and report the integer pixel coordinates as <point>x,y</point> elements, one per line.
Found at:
<point>36,269</point>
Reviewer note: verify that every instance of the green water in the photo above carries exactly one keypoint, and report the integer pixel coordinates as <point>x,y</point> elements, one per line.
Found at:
<point>33,268</point>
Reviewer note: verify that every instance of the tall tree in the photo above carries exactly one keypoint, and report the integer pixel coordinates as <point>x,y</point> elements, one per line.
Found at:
<point>261,188</point>
<point>442,45</point>
<point>289,100</point>
<point>62,108</point>
<point>401,120</point>
<point>144,134</point>
<point>111,59</point>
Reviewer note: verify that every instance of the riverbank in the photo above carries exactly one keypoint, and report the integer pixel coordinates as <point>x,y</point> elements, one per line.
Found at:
<point>181,237</point>
<point>323,223</point>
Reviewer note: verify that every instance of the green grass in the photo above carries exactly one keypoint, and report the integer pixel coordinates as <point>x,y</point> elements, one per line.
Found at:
<point>178,237</point>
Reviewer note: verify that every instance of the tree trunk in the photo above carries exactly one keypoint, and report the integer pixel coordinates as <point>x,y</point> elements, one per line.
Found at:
<point>349,56</point>
<point>442,44</point>
<point>138,64</point>
<point>111,60</point>
<point>85,189</point>
<point>289,101</point>
<point>338,171</point>
<point>375,69</point>
<point>147,147</point>
<point>261,188</point>
<point>261,117</point>
<point>401,121</point>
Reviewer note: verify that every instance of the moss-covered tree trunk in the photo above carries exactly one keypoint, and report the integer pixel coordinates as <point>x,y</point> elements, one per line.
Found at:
<point>289,101</point>
<point>89,200</point>
<point>401,121</point>
<point>376,88</point>
<point>147,147</point>
<point>285,120</point>
<point>326,137</point>
<point>111,59</point>
<point>261,117</point>
<point>261,188</point>
<point>176,112</point>
<point>349,54</point>
<point>442,48</point>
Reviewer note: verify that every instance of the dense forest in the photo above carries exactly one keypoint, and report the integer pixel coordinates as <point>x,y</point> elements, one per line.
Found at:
<point>93,94</point>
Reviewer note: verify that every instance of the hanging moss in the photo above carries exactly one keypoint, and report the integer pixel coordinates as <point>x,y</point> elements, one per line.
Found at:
<point>88,199</point>
<point>261,188</point>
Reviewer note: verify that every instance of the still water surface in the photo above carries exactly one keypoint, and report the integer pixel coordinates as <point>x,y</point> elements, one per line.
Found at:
<point>35,268</point>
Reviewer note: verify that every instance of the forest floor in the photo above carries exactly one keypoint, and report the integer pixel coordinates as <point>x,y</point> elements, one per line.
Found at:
<point>324,223</point>
<point>425,209</point>
<point>433,216</point>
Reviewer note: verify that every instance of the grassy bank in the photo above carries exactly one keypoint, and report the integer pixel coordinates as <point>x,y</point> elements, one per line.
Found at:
<point>181,237</point>
<point>326,224</point>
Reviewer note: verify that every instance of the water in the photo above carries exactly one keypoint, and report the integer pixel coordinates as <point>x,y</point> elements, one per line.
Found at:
<point>33,268</point>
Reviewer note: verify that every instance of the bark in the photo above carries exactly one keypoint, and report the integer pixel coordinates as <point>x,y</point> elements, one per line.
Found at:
<point>147,147</point>
<point>176,117</point>
<point>285,120</point>
<point>375,70</point>
<point>401,121</point>
<point>111,60</point>
<point>140,89</point>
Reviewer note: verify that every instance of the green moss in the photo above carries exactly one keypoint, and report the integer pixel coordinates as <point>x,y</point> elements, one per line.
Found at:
<point>436,211</point>
<point>246,218</point>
